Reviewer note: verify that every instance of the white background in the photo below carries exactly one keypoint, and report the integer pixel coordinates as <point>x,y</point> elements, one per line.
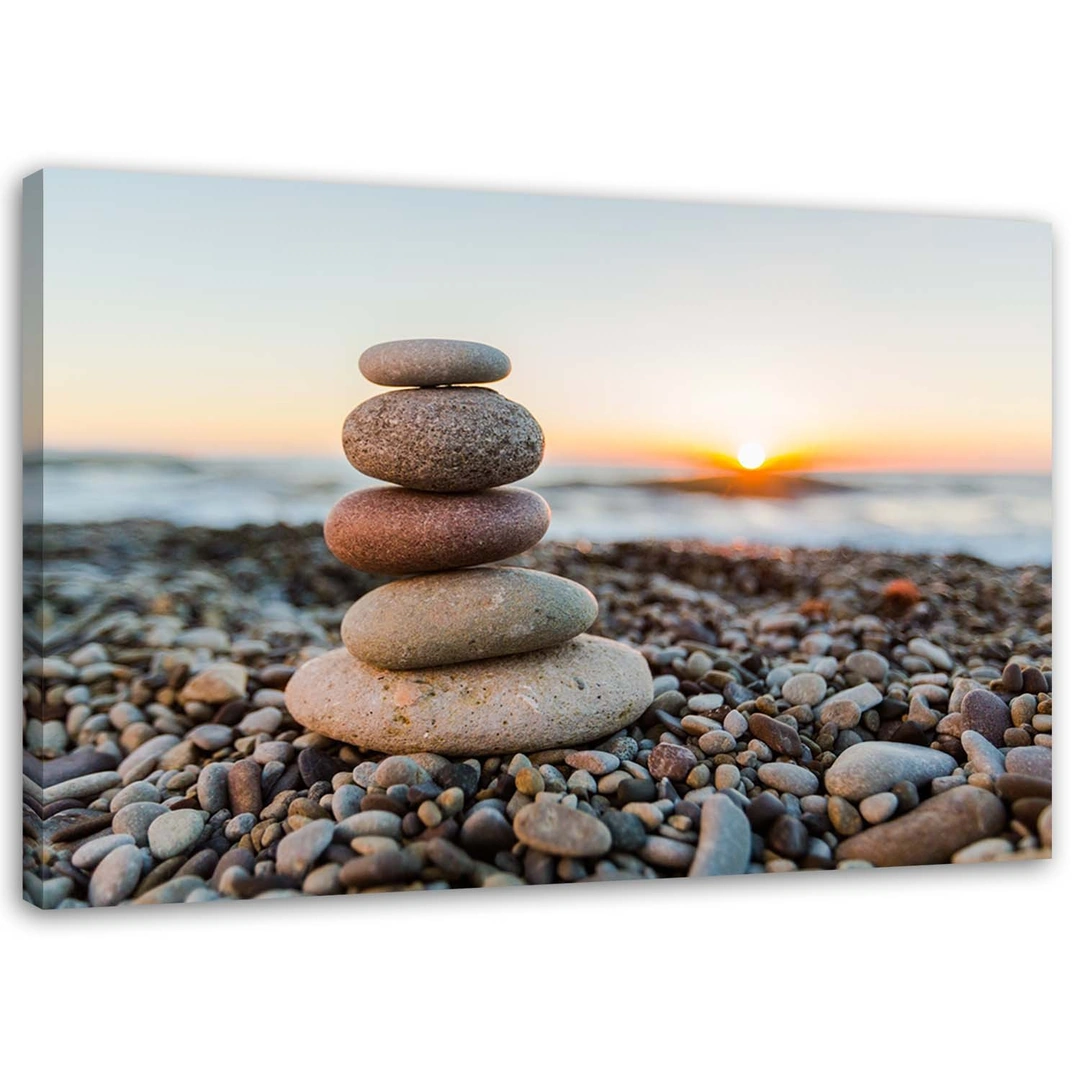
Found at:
<point>944,107</point>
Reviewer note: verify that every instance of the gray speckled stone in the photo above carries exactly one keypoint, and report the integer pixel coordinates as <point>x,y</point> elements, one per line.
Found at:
<point>433,362</point>
<point>464,615</point>
<point>175,832</point>
<point>870,767</point>
<point>791,778</point>
<point>136,818</point>
<point>390,530</point>
<point>457,439</point>
<point>116,876</point>
<point>582,690</point>
<point>724,839</point>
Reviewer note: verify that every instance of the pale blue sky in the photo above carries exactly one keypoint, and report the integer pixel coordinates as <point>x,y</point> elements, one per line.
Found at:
<point>209,315</point>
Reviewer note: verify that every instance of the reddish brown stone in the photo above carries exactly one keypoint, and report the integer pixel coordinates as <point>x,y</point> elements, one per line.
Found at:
<point>390,530</point>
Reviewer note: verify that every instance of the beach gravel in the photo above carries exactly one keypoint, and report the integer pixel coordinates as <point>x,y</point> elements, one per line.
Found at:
<point>790,711</point>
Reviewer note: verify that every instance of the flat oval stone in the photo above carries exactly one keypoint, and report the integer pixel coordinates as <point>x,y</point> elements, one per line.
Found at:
<point>793,779</point>
<point>558,830</point>
<point>724,842</point>
<point>931,833</point>
<point>572,693</point>
<point>870,767</point>
<point>432,362</point>
<point>456,439</point>
<point>465,615</point>
<point>390,530</point>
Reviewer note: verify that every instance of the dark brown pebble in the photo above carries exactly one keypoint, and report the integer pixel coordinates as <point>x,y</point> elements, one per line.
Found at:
<point>909,732</point>
<point>379,800</point>
<point>201,864</point>
<point>1012,679</point>
<point>233,857</point>
<point>776,735</point>
<point>59,805</point>
<point>33,805</point>
<point>450,859</point>
<point>788,837</point>
<point>635,791</point>
<point>231,713</point>
<point>339,853</point>
<point>1017,786</point>
<point>246,888</point>
<point>891,709</point>
<point>508,862</point>
<point>816,824</point>
<point>75,824</point>
<point>160,874</point>
<point>289,780</point>
<point>245,787</point>
<point>1034,681</point>
<point>763,810</point>
<point>411,825</point>
<point>321,788</point>
<point>907,796</point>
<point>276,676</point>
<point>539,867</point>
<point>420,793</point>
<point>460,776</point>
<point>486,832</point>
<point>505,787</point>
<point>1028,809</point>
<point>445,830</point>
<point>315,765</point>
<point>393,867</point>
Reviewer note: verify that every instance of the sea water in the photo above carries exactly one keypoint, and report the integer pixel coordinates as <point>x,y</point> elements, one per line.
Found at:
<point>1006,519</point>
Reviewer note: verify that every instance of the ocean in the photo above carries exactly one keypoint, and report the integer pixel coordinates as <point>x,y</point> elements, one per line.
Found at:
<point>1005,519</point>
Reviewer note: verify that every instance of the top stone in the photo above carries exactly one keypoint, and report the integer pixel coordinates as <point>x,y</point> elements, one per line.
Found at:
<point>433,362</point>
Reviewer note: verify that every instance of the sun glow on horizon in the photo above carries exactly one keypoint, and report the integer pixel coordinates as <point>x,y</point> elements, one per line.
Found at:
<point>751,455</point>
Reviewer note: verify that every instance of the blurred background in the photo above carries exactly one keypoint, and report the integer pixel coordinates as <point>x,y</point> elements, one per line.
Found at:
<point>800,377</point>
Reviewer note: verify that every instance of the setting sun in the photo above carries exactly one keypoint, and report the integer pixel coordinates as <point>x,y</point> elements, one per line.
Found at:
<point>751,455</point>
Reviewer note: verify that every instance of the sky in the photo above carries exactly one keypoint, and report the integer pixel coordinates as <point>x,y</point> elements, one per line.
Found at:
<point>212,316</point>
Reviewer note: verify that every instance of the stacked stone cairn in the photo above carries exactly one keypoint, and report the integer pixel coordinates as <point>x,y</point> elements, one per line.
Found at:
<point>457,657</point>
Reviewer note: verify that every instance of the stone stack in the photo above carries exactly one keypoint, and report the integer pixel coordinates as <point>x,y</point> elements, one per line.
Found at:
<point>457,657</point>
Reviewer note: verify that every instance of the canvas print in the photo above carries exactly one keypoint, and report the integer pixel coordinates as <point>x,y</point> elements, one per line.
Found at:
<point>406,539</point>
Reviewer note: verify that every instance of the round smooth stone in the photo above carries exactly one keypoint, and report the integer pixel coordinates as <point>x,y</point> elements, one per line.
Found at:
<point>572,693</point>
<point>432,362</point>
<point>465,615</point>
<point>455,439</point>
<point>390,530</point>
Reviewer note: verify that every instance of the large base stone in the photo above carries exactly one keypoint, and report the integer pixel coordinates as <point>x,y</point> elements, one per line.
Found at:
<point>573,693</point>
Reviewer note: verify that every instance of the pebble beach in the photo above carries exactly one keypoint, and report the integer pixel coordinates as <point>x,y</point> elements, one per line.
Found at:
<point>812,710</point>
